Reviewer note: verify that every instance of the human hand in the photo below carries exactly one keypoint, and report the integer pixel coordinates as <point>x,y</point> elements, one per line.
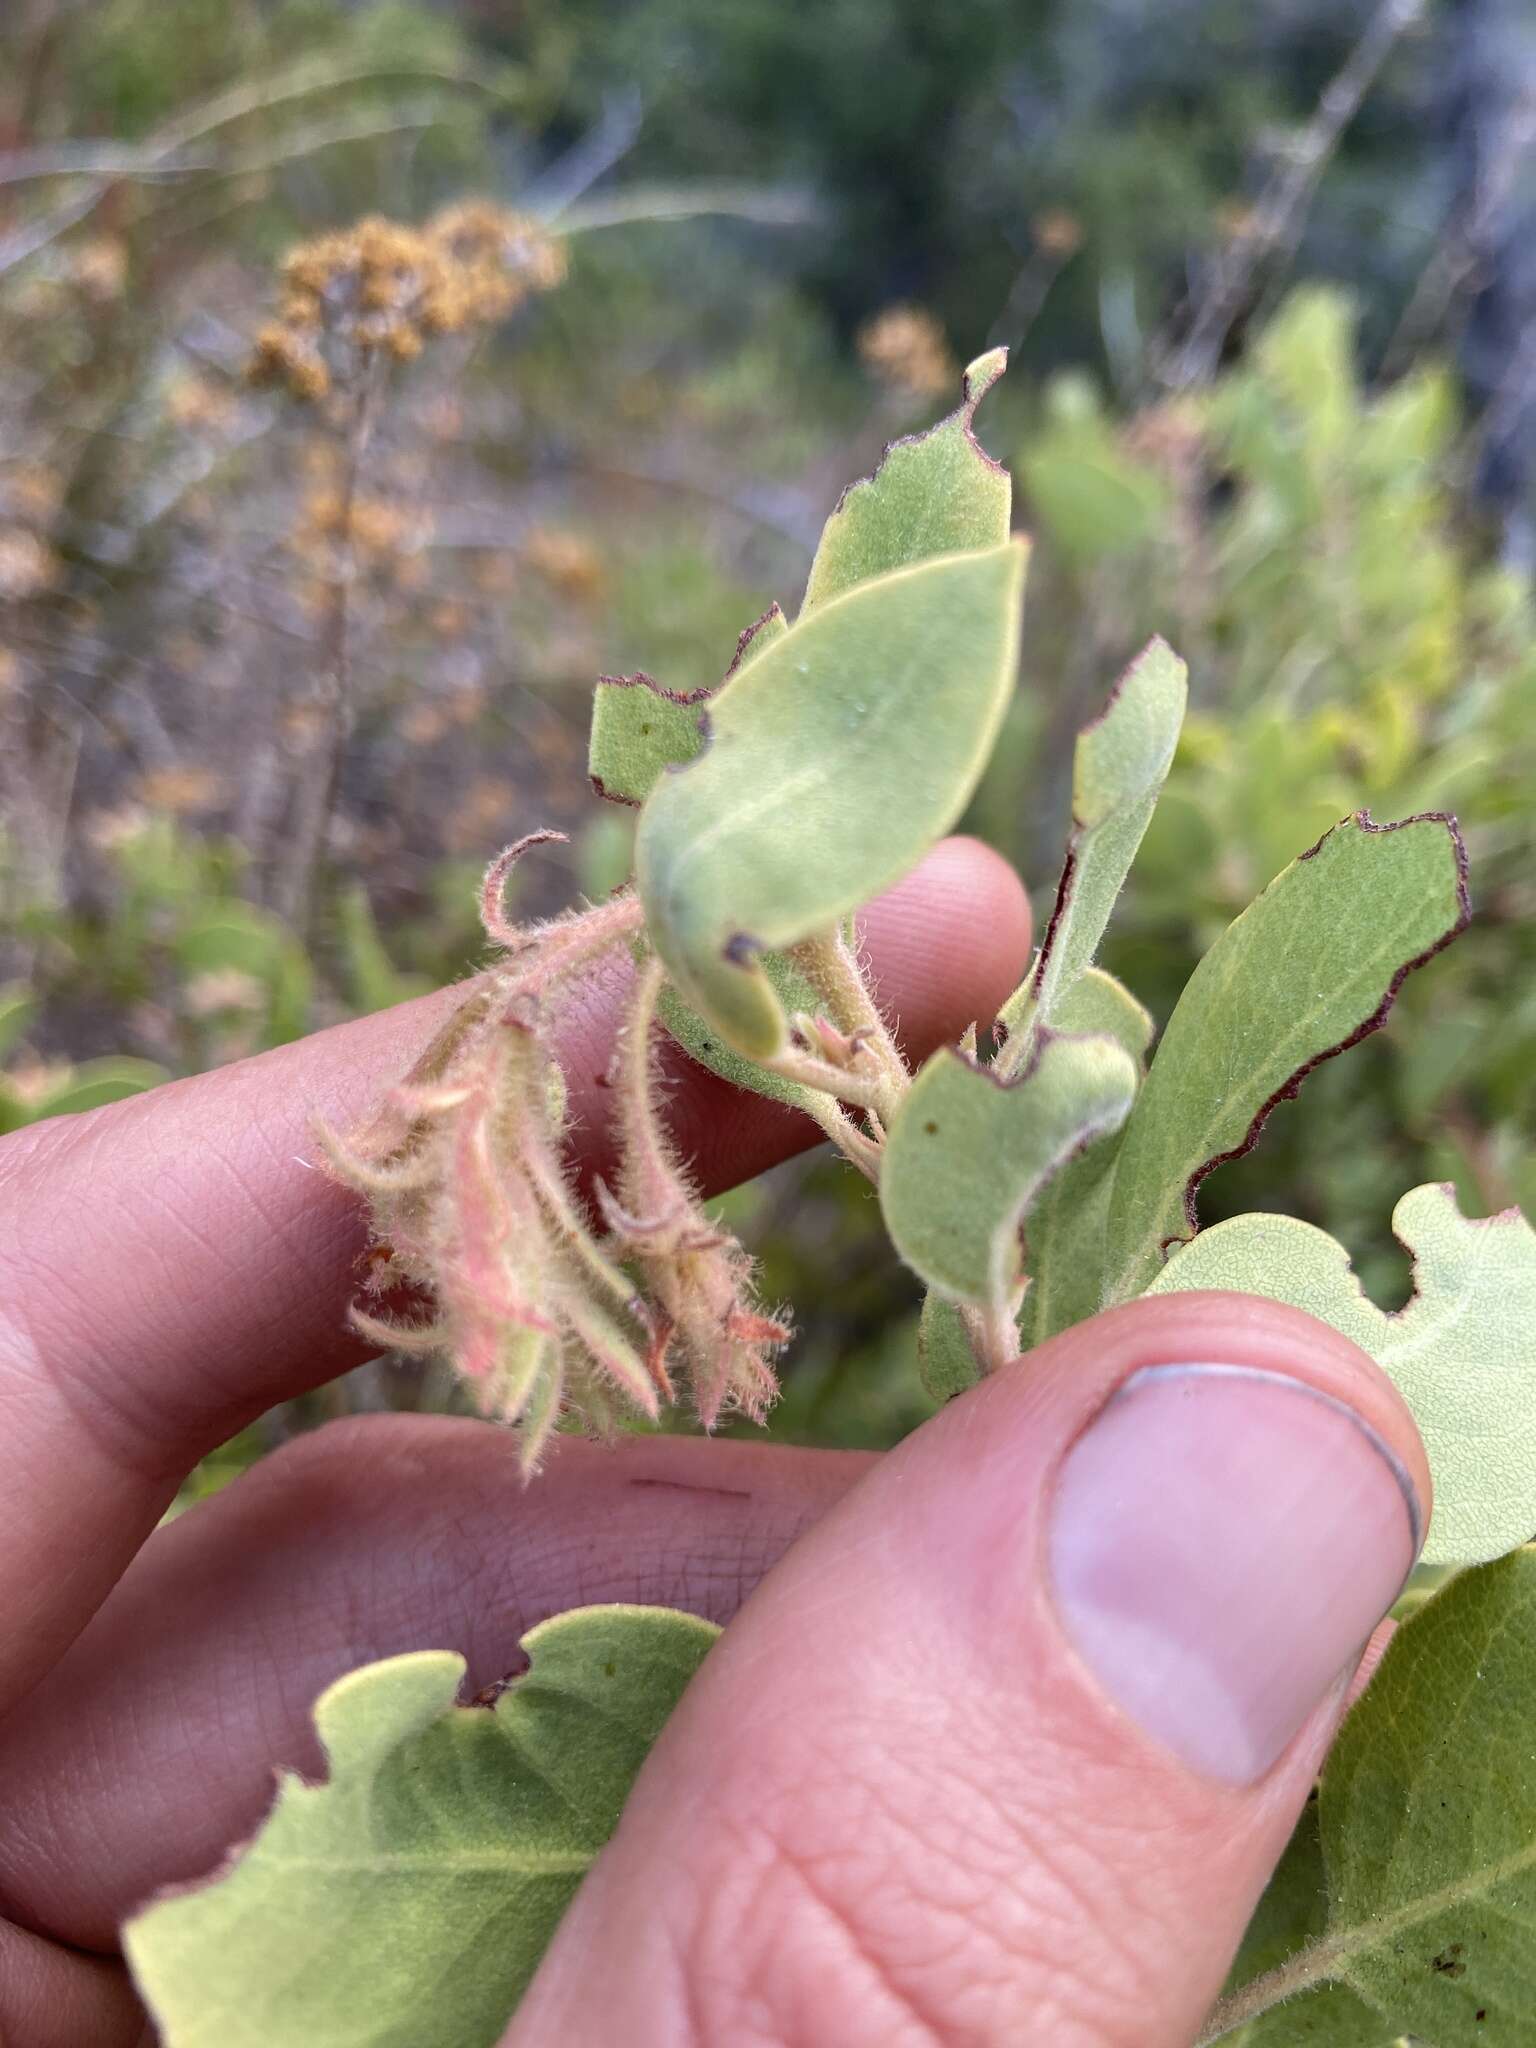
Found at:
<point>989,1754</point>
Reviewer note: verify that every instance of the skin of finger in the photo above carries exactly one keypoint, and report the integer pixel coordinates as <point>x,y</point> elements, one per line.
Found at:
<point>895,1809</point>
<point>53,1998</point>
<point>150,1748</point>
<point>177,1263</point>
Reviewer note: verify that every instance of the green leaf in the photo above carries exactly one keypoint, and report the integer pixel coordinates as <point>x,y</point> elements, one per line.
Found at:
<point>836,758</point>
<point>374,981</point>
<point>1462,1353</point>
<point>704,1043</point>
<point>640,729</point>
<point>935,493</point>
<point>1309,969</point>
<point>946,1363</point>
<point>18,1013</point>
<point>1091,502</point>
<point>1096,1002</point>
<point>1289,1916</point>
<point>228,933</point>
<point>405,1902</point>
<point>95,1083</point>
<point>968,1154</point>
<point>1065,1252</point>
<point>1119,767</point>
<point>1429,1819</point>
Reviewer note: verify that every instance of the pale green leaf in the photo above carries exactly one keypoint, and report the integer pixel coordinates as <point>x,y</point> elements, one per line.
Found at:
<point>1090,500</point>
<point>1429,1820</point>
<point>93,1084</point>
<point>1096,1003</point>
<point>935,493</point>
<point>946,1363</point>
<point>1462,1353</point>
<point>968,1155</point>
<point>705,1044</point>
<point>18,1013</point>
<point>1308,969</point>
<point>405,1902</point>
<point>1119,767</point>
<point>835,759</point>
<point>1065,1240</point>
<point>640,729</point>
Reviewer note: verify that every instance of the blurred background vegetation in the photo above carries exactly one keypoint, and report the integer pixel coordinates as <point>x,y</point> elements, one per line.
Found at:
<point>284,660</point>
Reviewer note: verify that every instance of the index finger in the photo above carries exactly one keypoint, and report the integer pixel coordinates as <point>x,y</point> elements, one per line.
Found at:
<point>177,1264</point>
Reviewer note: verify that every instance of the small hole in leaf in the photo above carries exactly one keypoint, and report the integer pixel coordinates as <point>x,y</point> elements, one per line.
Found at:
<point>645,732</point>
<point>931,1128</point>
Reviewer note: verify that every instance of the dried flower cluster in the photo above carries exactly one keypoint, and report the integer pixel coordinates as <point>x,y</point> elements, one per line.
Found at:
<point>905,348</point>
<point>547,1312</point>
<point>382,289</point>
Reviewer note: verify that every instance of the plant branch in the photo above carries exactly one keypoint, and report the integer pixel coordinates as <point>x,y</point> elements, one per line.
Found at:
<point>316,793</point>
<point>1281,213</point>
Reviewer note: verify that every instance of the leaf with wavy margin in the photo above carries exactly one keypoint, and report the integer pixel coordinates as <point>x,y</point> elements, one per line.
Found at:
<point>1462,1353</point>
<point>405,1902</point>
<point>933,493</point>
<point>1310,968</point>
<point>640,729</point>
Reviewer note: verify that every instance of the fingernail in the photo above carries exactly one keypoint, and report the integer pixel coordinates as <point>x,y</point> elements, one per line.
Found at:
<point>1223,1540</point>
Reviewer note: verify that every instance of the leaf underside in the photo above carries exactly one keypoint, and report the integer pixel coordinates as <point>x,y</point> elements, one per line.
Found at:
<point>969,1154</point>
<point>405,1902</point>
<point>1462,1353</point>
<point>835,759</point>
<point>1065,1233</point>
<point>702,1042</point>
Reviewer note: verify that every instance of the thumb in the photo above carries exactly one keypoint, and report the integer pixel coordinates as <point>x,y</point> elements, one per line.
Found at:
<point>1005,1748</point>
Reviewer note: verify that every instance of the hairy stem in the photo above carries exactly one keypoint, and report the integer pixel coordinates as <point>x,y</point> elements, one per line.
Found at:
<point>832,968</point>
<point>993,1335</point>
<point>1313,1965</point>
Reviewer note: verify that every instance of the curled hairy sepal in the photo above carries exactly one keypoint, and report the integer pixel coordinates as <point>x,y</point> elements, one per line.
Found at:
<point>710,1327</point>
<point>476,1222</point>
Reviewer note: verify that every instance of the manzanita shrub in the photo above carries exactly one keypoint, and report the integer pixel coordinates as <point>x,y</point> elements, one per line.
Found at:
<point>1029,1182</point>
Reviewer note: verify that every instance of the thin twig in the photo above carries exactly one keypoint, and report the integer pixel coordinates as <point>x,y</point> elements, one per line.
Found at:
<point>1280,216</point>
<point>1458,252</point>
<point>772,205</point>
<point>316,793</point>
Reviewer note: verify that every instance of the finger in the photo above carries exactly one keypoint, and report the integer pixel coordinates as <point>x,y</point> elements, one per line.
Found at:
<point>1006,1746</point>
<point>52,1998</point>
<point>175,1265</point>
<point>148,1750</point>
